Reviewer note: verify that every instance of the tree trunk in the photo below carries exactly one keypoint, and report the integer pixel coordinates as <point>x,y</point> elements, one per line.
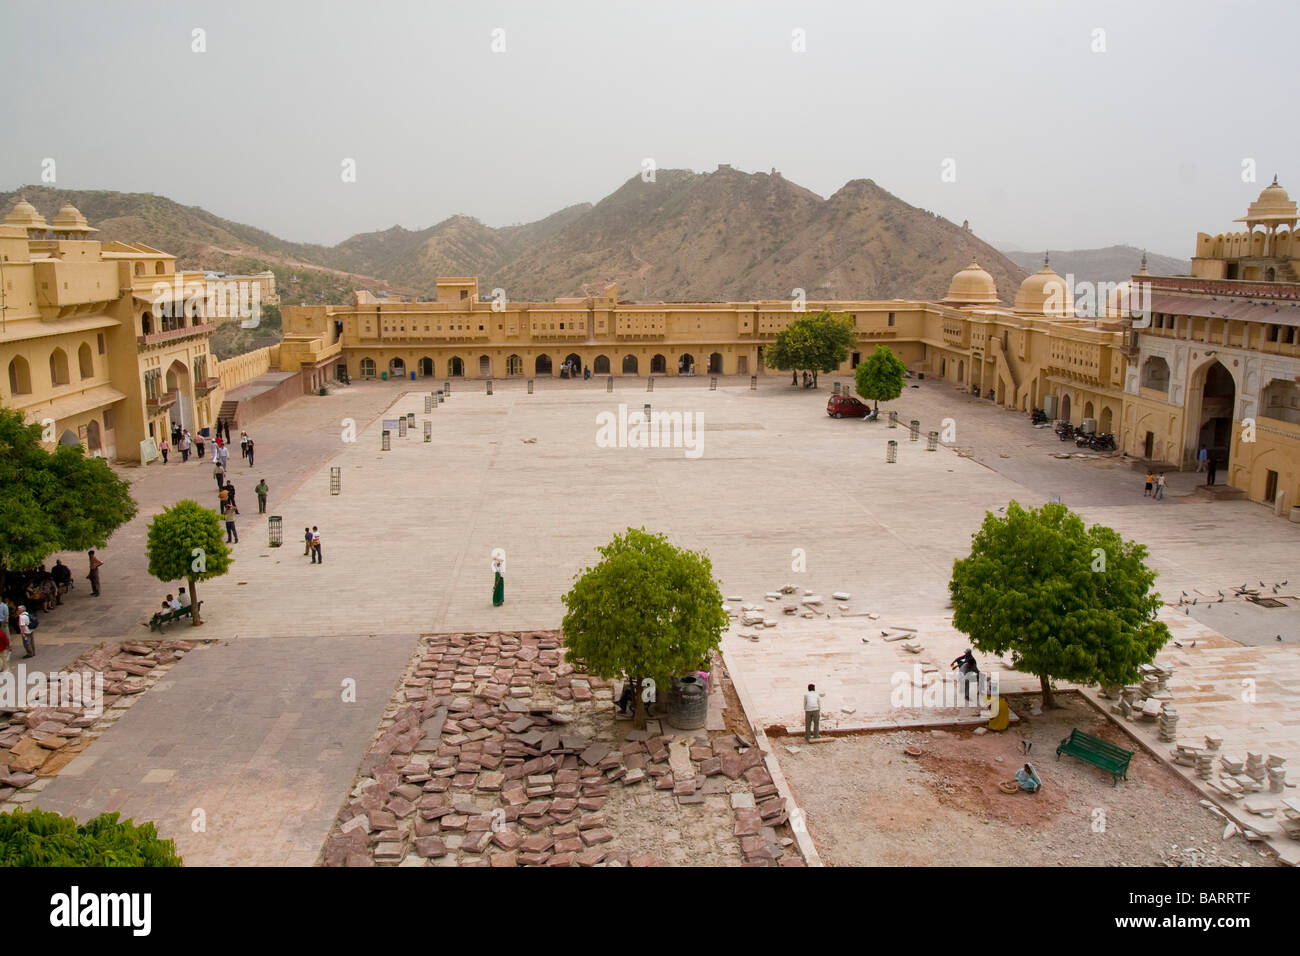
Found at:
<point>194,606</point>
<point>638,706</point>
<point>1047,691</point>
<point>877,408</point>
<point>814,378</point>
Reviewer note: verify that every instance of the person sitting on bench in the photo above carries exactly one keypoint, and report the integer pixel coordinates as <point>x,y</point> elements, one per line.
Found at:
<point>62,576</point>
<point>1028,779</point>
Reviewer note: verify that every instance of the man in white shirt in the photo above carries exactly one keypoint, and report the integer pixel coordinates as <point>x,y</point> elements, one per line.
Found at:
<point>173,604</point>
<point>183,598</point>
<point>24,628</point>
<point>812,714</point>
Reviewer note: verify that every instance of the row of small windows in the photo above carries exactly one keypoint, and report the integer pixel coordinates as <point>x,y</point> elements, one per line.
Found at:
<point>20,374</point>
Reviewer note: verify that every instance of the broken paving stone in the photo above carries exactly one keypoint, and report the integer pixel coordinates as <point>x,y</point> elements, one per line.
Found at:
<point>596,835</point>
<point>430,846</point>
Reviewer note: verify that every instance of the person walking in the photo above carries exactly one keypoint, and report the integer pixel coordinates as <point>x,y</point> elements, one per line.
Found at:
<point>1160,486</point>
<point>261,491</point>
<point>1211,468</point>
<point>230,490</point>
<point>306,536</point>
<point>316,557</point>
<point>95,565</point>
<point>231,531</point>
<point>183,446</point>
<point>227,433</point>
<point>198,444</point>
<point>176,435</point>
<point>1151,481</point>
<point>249,452</point>
<point>243,444</point>
<point>25,626</point>
<point>164,448</point>
<point>1202,459</point>
<point>812,714</point>
<point>219,473</point>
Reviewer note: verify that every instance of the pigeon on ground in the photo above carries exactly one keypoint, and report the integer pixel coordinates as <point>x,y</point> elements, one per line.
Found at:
<point>1178,643</point>
<point>1193,643</point>
<point>1193,600</point>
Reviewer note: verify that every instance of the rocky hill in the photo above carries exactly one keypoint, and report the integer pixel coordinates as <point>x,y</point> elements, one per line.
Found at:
<point>1111,264</point>
<point>685,236</point>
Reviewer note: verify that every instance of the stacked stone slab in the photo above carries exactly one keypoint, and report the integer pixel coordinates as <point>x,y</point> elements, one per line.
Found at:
<point>1167,722</point>
<point>477,764</point>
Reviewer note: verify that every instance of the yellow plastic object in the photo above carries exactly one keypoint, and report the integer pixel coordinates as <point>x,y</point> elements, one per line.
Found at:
<point>1002,719</point>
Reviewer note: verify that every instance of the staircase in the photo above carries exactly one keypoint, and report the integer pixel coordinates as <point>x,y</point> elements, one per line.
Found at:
<point>1286,272</point>
<point>1004,369</point>
<point>229,411</point>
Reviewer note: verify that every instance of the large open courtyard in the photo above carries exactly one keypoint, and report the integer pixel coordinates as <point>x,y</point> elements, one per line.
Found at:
<point>256,730</point>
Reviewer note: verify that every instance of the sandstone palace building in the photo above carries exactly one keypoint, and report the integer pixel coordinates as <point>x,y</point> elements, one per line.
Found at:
<point>1168,364</point>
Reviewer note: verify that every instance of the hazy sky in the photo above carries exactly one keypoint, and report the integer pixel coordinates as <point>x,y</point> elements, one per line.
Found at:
<point>1054,145</point>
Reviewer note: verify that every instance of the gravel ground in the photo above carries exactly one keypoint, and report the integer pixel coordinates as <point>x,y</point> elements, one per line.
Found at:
<point>870,804</point>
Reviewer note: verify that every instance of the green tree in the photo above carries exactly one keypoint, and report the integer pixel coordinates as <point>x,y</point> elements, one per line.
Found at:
<point>881,377</point>
<point>53,501</point>
<point>816,343</point>
<point>1067,602</point>
<point>41,838</point>
<point>646,610</point>
<point>185,542</point>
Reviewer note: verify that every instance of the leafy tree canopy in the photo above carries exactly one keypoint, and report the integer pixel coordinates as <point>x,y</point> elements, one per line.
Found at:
<point>647,609</point>
<point>881,377</point>
<point>185,543</point>
<point>53,501</point>
<point>1065,601</point>
<point>816,343</point>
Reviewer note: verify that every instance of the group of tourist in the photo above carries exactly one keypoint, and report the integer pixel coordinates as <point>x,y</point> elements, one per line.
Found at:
<point>1155,486</point>
<point>183,442</point>
<point>177,603</point>
<point>41,589</point>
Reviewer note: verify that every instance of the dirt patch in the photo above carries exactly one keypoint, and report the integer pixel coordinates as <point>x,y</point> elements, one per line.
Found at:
<point>870,803</point>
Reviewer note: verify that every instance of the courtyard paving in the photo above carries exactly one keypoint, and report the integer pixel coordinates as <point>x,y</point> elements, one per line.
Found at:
<point>255,726</point>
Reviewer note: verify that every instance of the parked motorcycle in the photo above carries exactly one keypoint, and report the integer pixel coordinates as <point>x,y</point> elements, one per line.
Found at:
<point>1101,441</point>
<point>1064,431</point>
<point>1038,417</point>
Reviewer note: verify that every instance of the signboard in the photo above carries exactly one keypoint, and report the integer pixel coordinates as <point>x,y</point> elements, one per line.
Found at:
<point>149,451</point>
<point>391,424</point>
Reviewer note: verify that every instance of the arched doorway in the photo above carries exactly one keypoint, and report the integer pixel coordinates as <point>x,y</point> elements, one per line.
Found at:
<point>1215,391</point>
<point>543,365</point>
<point>59,367</point>
<point>92,438</point>
<point>961,372</point>
<point>943,368</point>
<point>685,363</point>
<point>85,364</point>
<point>426,367</point>
<point>514,365</point>
<point>574,361</point>
<point>1106,422</point>
<point>1087,410</point>
<point>396,368</point>
<point>629,365</point>
<point>69,439</point>
<point>1065,408</point>
<point>658,365</point>
<point>178,383</point>
<point>601,365</point>
<point>484,367</point>
<point>715,363</point>
<point>456,367</point>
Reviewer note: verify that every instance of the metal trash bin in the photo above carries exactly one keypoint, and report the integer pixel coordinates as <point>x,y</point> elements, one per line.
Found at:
<point>275,530</point>
<point>932,441</point>
<point>891,452</point>
<point>915,429</point>
<point>383,376</point>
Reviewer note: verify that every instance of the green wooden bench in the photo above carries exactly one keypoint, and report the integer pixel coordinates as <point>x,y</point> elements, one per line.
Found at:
<point>166,617</point>
<point>1114,760</point>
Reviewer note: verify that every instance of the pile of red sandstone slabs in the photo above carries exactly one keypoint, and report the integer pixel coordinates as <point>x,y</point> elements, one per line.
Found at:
<point>42,732</point>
